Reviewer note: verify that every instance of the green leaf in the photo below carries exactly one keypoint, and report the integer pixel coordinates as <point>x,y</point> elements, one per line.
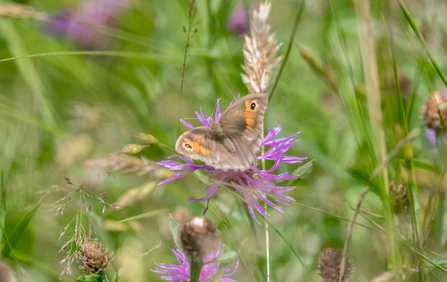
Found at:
<point>227,256</point>
<point>220,272</point>
<point>90,278</point>
<point>18,231</point>
<point>122,270</point>
<point>175,230</point>
<point>143,215</point>
<point>2,206</point>
<point>302,172</point>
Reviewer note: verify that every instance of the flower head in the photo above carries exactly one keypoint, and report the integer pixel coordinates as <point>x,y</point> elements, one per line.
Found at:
<point>95,258</point>
<point>180,273</point>
<point>199,237</point>
<point>330,263</point>
<point>81,24</point>
<point>253,183</point>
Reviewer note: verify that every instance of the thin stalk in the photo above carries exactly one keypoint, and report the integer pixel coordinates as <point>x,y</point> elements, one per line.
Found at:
<point>192,13</point>
<point>422,40</point>
<point>289,48</point>
<point>348,236</point>
<point>196,268</point>
<point>267,244</point>
<point>374,107</point>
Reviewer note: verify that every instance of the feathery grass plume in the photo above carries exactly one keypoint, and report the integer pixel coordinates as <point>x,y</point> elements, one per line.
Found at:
<point>130,165</point>
<point>431,115</point>
<point>260,51</point>
<point>17,11</point>
<point>95,258</point>
<point>329,266</point>
<point>199,237</point>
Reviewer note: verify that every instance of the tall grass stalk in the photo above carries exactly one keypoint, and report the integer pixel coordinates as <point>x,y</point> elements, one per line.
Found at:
<point>374,108</point>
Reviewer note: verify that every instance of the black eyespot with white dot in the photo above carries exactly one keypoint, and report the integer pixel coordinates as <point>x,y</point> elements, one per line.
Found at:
<point>253,106</point>
<point>188,146</point>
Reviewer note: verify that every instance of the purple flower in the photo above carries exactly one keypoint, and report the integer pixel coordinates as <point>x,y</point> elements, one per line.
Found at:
<point>181,272</point>
<point>237,22</point>
<point>253,183</point>
<point>81,24</point>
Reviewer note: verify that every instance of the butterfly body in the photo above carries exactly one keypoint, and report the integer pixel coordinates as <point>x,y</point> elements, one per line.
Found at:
<point>230,144</point>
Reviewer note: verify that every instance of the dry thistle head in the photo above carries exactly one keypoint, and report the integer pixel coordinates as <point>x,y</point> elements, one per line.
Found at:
<point>431,115</point>
<point>260,51</point>
<point>199,237</point>
<point>399,194</point>
<point>329,266</point>
<point>94,257</point>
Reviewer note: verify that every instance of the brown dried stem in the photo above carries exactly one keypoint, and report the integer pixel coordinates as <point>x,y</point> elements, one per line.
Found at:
<point>348,236</point>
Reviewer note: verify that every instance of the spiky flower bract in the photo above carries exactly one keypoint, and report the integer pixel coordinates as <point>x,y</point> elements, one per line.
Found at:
<point>253,183</point>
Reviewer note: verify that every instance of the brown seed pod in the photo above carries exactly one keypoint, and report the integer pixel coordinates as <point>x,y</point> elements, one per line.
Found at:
<point>329,266</point>
<point>199,237</point>
<point>94,257</point>
<point>431,115</point>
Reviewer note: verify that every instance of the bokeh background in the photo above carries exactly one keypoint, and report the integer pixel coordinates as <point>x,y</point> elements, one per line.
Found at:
<point>78,79</point>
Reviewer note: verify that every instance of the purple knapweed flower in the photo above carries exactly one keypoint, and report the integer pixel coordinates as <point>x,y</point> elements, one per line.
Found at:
<point>237,22</point>
<point>81,24</point>
<point>253,183</point>
<point>179,273</point>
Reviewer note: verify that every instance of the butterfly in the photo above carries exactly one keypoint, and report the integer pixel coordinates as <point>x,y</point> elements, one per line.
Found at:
<point>230,144</point>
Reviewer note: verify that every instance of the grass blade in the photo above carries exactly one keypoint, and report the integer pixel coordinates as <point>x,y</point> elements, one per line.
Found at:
<point>20,228</point>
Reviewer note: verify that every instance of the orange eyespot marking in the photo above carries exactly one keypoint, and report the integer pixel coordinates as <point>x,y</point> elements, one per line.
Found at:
<point>251,105</point>
<point>195,146</point>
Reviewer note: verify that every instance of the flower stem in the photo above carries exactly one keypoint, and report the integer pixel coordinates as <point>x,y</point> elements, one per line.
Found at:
<point>196,268</point>
<point>267,244</point>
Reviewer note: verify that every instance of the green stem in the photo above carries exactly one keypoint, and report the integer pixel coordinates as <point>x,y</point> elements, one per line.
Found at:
<point>297,20</point>
<point>422,40</point>
<point>196,268</point>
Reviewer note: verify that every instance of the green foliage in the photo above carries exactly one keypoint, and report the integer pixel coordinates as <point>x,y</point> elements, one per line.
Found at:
<point>69,106</point>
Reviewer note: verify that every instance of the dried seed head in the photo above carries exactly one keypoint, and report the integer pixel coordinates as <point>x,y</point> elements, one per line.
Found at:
<point>260,51</point>
<point>399,194</point>
<point>329,266</point>
<point>94,257</point>
<point>431,115</point>
<point>199,237</point>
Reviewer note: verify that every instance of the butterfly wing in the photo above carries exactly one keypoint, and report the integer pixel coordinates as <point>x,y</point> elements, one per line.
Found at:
<point>245,116</point>
<point>198,144</point>
<point>242,123</point>
<point>243,156</point>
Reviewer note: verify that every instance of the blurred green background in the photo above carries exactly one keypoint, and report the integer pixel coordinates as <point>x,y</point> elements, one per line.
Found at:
<point>87,92</point>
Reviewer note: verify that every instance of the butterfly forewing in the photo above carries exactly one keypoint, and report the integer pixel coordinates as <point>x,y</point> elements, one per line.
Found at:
<point>198,144</point>
<point>245,116</point>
